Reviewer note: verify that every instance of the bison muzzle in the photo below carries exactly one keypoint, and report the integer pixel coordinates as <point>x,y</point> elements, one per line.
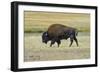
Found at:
<point>57,32</point>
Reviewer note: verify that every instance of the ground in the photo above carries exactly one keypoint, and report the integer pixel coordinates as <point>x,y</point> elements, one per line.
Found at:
<point>35,50</point>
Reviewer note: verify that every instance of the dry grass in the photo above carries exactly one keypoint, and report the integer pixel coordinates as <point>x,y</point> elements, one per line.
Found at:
<point>35,50</point>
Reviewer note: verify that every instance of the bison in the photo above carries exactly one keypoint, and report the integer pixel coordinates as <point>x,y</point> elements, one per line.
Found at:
<point>58,32</point>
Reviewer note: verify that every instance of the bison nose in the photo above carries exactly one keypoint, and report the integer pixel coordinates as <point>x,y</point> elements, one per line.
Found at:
<point>43,41</point>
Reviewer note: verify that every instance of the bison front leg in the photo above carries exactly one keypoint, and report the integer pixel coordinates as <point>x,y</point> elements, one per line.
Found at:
<point>58,42</point>
<point>52,42</point>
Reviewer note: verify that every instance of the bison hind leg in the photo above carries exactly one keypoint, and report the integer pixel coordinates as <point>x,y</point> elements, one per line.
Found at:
<point>76,41</point>
<point>71,40</point>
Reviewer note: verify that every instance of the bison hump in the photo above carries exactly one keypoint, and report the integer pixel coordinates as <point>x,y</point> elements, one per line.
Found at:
<point>56,30</point>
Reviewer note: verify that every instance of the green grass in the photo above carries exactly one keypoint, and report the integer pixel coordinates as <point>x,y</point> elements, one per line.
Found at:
<point>37,22</point>
<point>40,30</point>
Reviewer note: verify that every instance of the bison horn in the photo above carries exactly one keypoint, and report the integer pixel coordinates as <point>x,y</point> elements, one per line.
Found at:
<point>46,34</point>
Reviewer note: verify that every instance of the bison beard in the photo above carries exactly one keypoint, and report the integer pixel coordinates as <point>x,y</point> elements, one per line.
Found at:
<point>57,32</point>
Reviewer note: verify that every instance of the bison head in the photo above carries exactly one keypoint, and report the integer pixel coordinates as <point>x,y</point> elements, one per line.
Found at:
<point>45,37</point>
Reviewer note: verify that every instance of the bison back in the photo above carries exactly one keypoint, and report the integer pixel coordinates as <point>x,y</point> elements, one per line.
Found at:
<point>56,30</point>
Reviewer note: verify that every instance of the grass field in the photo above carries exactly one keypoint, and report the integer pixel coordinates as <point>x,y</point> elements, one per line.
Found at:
<point>37,22</point>
<point>35,50</point>
<point>40,21</point>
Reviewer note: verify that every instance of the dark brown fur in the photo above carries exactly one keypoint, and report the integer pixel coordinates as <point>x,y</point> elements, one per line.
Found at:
<point>56,30</point>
